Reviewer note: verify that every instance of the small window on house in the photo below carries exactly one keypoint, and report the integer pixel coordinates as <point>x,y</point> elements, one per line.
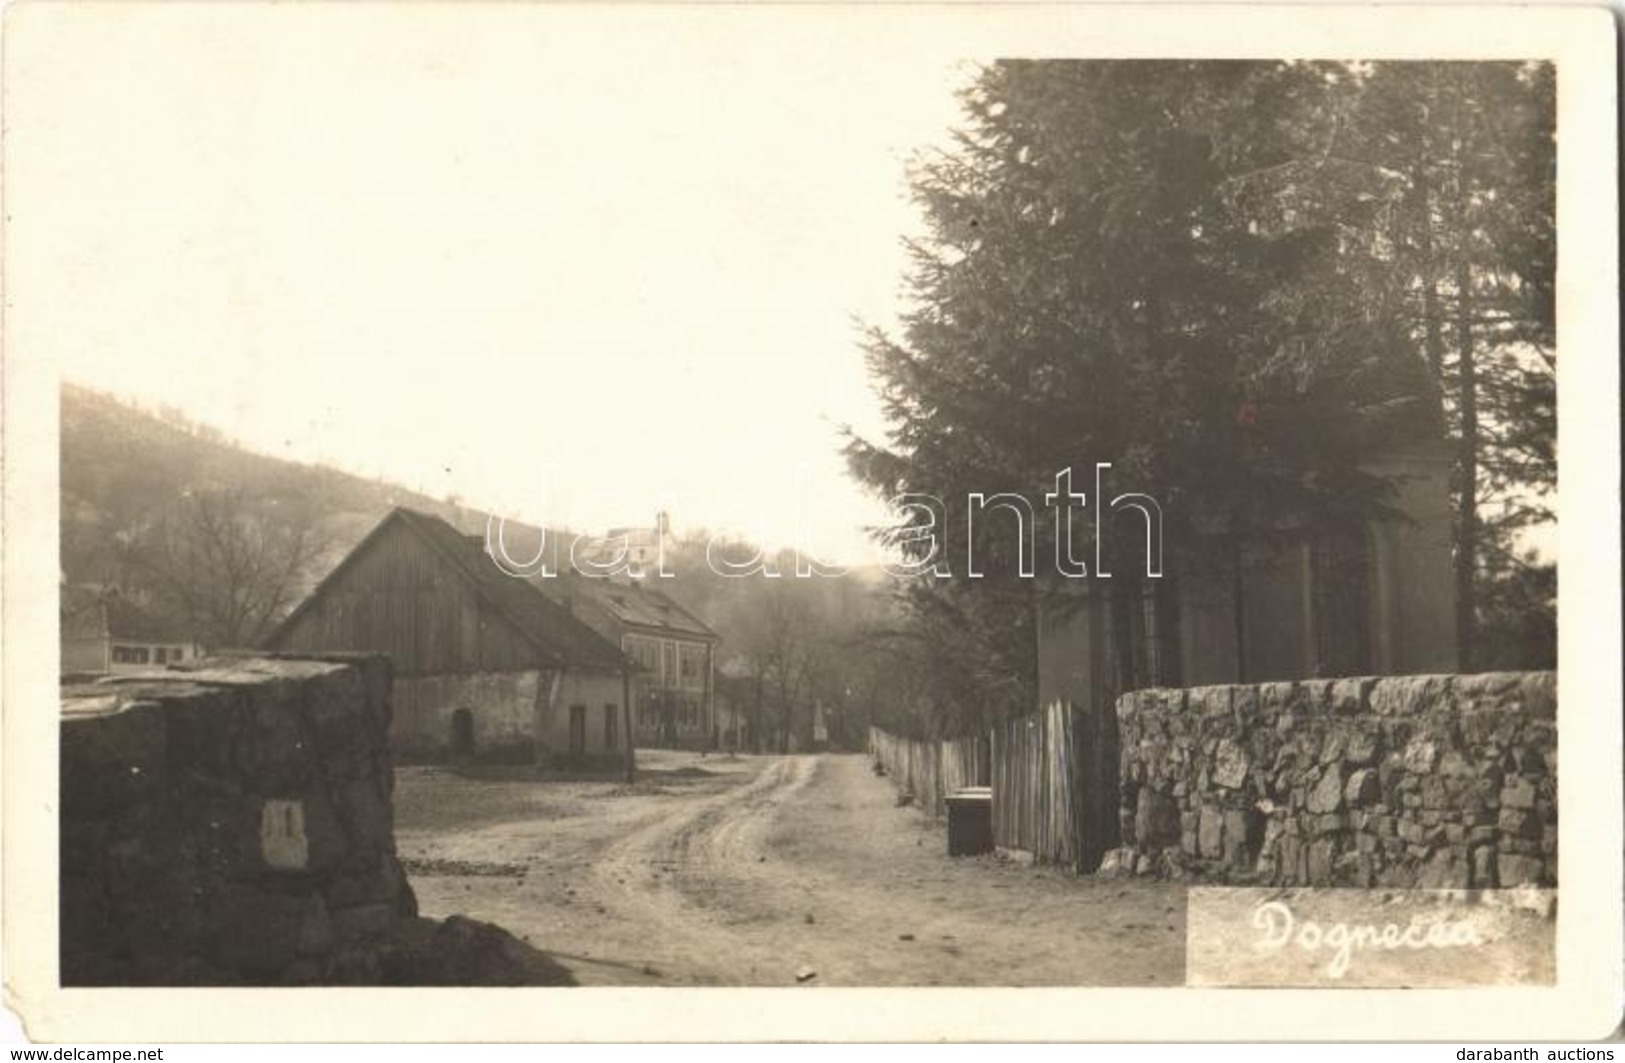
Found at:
<point>160,655</point>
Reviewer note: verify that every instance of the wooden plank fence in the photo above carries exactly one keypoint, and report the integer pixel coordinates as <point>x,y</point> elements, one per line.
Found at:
<point>1055,786</point>
<point>965,762</point>
<point>1034,783</point>
<point>1053,776</point>
<point>930,771</point>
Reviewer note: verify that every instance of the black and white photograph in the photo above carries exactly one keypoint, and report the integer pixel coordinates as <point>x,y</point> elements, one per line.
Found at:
<point>732,497</point>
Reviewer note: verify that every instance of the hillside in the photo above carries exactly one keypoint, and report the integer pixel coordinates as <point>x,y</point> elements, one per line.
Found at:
<point>134,484</point>
<point>121,466</point>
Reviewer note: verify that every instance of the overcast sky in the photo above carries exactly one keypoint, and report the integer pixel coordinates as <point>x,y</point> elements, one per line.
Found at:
<point>573,269</point>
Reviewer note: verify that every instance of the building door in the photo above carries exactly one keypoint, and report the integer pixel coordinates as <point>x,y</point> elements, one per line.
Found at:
<point>578,728</point>
<point>462,734</point>
<point>611,725</point>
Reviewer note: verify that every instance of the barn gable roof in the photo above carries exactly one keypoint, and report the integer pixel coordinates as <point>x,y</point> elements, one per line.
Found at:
<point>559,638</point>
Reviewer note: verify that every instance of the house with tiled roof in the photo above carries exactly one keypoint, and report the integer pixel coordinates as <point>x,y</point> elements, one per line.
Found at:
<point>674,684</point>
<point>485,664</point>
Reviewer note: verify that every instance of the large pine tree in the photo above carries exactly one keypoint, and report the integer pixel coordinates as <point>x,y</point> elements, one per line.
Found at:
<point>1231,280</point>
<point>1439,180</point>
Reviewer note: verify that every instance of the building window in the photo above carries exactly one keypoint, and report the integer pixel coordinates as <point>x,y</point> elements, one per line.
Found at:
<point>160,655</point>
<point>691,664</point>
<point>130,655</point>
<point>643,652</point>
<point>668,669</point>
<point>462,734</point>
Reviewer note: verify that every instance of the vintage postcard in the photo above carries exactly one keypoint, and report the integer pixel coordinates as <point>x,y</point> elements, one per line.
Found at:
<point>758,522</point>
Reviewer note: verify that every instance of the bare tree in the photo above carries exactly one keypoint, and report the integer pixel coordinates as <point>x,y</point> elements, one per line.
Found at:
<point>778,646</point>
<point>228,566</point>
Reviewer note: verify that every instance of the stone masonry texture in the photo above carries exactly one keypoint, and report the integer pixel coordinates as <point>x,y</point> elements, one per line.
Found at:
<point>1430,781</point>
<point>229,823</point>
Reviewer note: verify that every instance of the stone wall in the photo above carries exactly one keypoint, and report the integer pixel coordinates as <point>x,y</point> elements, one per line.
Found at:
<point>502,706</point>
<point>229,822</point>
<point>508,721</point>
<point>1439,781</point>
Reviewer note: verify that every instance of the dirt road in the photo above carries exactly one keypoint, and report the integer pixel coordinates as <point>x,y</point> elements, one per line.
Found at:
<point>717,871</point>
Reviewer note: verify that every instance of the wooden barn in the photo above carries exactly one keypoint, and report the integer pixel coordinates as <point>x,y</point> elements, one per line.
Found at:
<point>485,664</point>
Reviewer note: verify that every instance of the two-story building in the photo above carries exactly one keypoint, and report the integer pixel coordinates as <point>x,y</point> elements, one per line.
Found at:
<point>674,684</point>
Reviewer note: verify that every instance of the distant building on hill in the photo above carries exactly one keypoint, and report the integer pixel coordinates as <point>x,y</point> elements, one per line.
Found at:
<point>632,553</point>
